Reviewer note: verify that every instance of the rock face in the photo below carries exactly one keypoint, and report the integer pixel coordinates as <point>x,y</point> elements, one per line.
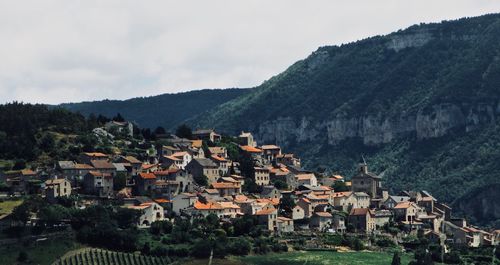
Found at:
<point>413,39</point>
<point>481,203</point>
<point>375,129</point>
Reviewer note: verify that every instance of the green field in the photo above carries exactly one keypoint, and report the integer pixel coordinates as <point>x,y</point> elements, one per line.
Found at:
<point>324,257</point>
<point>6,207</point>
<point>42,253</point>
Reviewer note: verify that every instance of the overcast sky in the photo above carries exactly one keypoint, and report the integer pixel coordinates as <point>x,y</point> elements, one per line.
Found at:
<point>69,51</point>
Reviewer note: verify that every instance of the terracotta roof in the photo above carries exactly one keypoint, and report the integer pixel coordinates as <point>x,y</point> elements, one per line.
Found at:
<point>211,191</point>
<point>304,176</point>
<point>360,211</point>
<point>218,158</point>
<point>197,143</point>
<point>162,200</point>
<point>267,211</point>
<point>132,160</point>
<point>102,164</point>
<point>207,206</point>
<point>323,214</point>
<point>271,201</point>
<point>148,166</point>
<point>403,205</point>
<point>229,205</point>
<point>217,150</point>
<point>28,172</point>
<point>250,149</point>
<point>147,175</point>
<point>225,185</point>
<point>282,218</point>
<point>242,199</point>
<point>269,147</point>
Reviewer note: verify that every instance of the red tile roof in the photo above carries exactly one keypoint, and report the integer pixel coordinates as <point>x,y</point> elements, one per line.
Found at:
<point>147,175</point>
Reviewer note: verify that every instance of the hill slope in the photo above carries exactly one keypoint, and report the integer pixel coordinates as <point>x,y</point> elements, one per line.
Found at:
<point>421,103</point>
<point>167,110</point>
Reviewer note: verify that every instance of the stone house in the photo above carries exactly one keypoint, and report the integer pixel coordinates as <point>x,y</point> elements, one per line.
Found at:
<point>270,192</point>
<point>268,217</point>
<point>207,135</point>
<point>321,221</point>
<point>199,167</point>
<point>246,138</point>
<point>271,152</point>
<point>98,183</point>
<point>362,220</point>
<point>146,183</point>
<point>261,176</point>
<point>284,225</point>
<point>183,201</point>
<point>55,188</point>
<point>150,213</point>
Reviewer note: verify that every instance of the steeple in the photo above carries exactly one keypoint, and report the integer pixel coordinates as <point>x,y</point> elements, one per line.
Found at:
<point>363,167</point>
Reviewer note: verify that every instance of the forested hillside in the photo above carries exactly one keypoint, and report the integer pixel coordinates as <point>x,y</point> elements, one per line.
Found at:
<point>167,110</point>
<point>422,104</point>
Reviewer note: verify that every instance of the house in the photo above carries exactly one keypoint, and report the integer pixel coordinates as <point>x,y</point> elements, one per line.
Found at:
<point>362,200</point>
<point>211,194</point>
<point>253,151</point>
<point>207,208</point>
<point>338,224</point>
<point>200,167</point>
<point>367,182</point>
<point>55,188</point>
<point>223,163</point>
<point>267,216</point>
<point>458,234</point>
<point>103,166</point>
<point>227,188</point>
<point>343,201</point>
<point>362,220</point>
<point>298,213</point>
<point>134,164</point>
<point>183,201</point>
<point>150,213</point>
<point>306,179</point>
<point>246,138</point>
<point>179,159</point>
<point>271,152</point>
<point>218,151</point>
<point>98,183</point>
<point>284,225</point>
<point>392,201</point>
<point>230,209</point>
<point>72,170</point>
<point>246,204</point>
<point>406,211</point>
<point>121,127</point>
<point>307,206</point>
<point>321,221</point>
<point>86,158</point>
<point>270,192</point>
<point>146,183</point>
<point>288,159</point>
<point>261,176</point>
<point>382,217</point>
<point>207,135</point>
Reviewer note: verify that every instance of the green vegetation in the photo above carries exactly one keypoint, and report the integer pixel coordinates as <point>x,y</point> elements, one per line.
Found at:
<point>324,257</point>
<point>167,110</point>
<point>43,252</point>
<point>7,206</point>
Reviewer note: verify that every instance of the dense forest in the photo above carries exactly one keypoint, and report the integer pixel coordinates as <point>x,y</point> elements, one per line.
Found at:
<point>167,110</point>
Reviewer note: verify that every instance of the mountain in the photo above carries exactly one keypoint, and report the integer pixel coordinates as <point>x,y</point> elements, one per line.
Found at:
<point>422,104</point>
<point>167,110</point>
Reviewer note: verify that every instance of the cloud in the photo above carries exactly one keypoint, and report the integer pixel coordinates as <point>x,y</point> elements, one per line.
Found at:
<point>65,51</point>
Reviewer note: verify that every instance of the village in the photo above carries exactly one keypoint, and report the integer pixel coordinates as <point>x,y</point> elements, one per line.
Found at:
<point>195,177</point>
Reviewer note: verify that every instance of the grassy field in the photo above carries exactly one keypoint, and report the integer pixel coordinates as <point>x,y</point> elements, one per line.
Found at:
<point>6,207</point>
<point>324,257</point>
<point>43,253</point>
<point>308,258</point>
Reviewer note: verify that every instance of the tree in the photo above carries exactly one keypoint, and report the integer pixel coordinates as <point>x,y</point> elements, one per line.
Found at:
<point>201,180</point>
<point>21,213</point>
<point>22,257</point>
<point>119,181</point>
<point>184,131</point>
<point>118,118</point>
<point>239,246</point>
<point>160,131</point>
<point>396,259</point>
<point>340,186</point>
<point>280,184</point>
<point>127,218</point>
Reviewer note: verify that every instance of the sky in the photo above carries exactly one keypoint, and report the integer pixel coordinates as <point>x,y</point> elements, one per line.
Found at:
<point>56,51</point>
